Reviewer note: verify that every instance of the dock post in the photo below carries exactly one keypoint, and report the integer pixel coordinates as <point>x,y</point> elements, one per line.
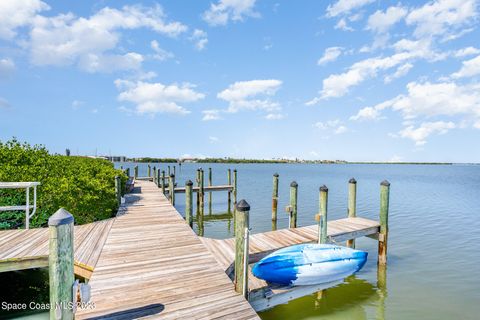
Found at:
<point>149,171</point>
<point>135,172</point>
<point>60,264</point>
<point>174,170</point>
<point>158,177</point>
<point>127,172</point>
<point>118,190</point>
<point>229,182</point>
<point>168,172</point>
<point>234,187</point>
<point>154,175</point>
<point>198,186</point>
<point>275,199</point>
<point>210,193</point>
<point>352,205</point>
<point>171,189</point>
<point>162,181</point>
<point>322,219</point>
<point>242,210</point>
<point>201,191</point>
<point>293,205</point>
<point>189,203</point>
<point>382,237</point>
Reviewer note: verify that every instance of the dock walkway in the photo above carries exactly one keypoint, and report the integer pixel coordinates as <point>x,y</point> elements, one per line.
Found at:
<point>153,264</point>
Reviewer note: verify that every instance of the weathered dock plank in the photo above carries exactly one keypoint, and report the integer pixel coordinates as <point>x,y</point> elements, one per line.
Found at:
<point>153,264</point>
<point>26,249</point>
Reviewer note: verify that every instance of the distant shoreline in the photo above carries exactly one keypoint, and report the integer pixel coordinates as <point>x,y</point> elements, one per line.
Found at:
<point>278,161</point>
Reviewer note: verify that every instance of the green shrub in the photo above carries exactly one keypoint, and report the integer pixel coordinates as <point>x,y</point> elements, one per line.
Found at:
<point>83,186</point>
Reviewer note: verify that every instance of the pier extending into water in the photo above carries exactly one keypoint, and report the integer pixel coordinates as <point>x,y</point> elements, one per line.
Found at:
<point>148,261</point>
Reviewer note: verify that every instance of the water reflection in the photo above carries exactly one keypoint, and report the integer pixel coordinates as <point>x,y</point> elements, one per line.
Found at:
<point>349,300</point>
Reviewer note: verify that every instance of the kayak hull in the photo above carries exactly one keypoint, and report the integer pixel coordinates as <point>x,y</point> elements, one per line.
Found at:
<point>309,264</point>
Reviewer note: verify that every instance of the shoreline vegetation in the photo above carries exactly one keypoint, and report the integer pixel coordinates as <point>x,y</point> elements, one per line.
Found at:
<point>274,161</point>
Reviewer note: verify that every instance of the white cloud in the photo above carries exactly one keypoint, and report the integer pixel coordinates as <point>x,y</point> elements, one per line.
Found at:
<point>469,68</point>
<point>334,126</point>
<point>330,54</point>
<point>345,6</point>
<point>337,85</point>
<point>274,116</point>
<point>382,21</point>
<point>18,13</point>
<point>200,39</point>
<point>442,17</point>
<point>400,72</point>
<point>157,97</point>
<point>225,10</point>
<point>76,104</point>
<point>7,67</point>
<point>342,25</point>
<point>160,54</point>
<point>420,134</point>
<point>468,51</point>
<point>213,139</point>
<point>251,95</point>
<point>209,115</point>
<point>65,39</point>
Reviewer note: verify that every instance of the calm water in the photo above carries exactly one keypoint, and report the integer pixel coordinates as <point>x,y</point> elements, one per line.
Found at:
<point>434,254</point>
<point>434,234</point>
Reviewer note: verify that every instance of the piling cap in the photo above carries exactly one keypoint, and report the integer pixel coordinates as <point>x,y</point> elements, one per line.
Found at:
<point>189,183</point>
<point>385,183</point>
<point>172,175</point>
<point>60,217</point>
<point>324,188</point>
<point>352,181</point>
<point>243,206</point>
<point>275,175</point>
<point>234,170</point>
<point>294,184</point>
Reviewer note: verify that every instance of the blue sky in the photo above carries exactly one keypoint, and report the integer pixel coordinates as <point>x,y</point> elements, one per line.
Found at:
<point>356,80</point>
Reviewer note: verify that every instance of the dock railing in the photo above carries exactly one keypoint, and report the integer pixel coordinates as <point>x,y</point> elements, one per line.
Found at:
<point>27,206</point>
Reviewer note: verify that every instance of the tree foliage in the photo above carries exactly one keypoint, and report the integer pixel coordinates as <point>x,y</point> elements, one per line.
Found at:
<point>83,186</point>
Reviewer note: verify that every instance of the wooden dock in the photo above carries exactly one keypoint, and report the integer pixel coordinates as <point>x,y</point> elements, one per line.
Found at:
<point>26,249</point>
<point>153,264</point>
<point>263,295</point>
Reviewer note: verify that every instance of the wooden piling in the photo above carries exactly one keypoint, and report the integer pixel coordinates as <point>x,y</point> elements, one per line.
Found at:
<point>162,181</point>
<point>127,172</point>
<point>293,205</point>
<point>197,179</point>
<point>168,171</point>
<point>382,237</point>
<point>352,205</point>
<point>201,191</point>
<point>155,175</point>
<point>234,187</point>
<point>242,210</point>
<point>159,177</point>
<point>135,172</point>
<point>174,170</point>
<point>275,198</point>
<point>210,181</point>
<point>229,182</point>
<point>118,190</point>
<point>149,171</point>
<point>322,219</point>
<point>60,264</point>
<point>171,189</point>
<point>189,203</point>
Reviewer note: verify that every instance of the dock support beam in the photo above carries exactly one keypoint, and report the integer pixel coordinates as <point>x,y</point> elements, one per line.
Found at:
<point>210,183</point>
<point>162,181</point>
<point>322,219</point>
<point>382,237</point>
<point>60,261</point>
<point>171,189</point>
<point>352,205</point>
<point>118,190</point>
<point>275,201</point>
<point>234,187</point>
<point>242,210</point>
<point>189,203</point>
<point>293,204</point>
<point>229,182</point>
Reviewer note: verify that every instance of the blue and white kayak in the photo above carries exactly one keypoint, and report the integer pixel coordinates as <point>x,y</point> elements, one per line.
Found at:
<point>309,264</point>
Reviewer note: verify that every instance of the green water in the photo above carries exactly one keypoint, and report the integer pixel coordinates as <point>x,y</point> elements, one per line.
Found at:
<point>433,257</point>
